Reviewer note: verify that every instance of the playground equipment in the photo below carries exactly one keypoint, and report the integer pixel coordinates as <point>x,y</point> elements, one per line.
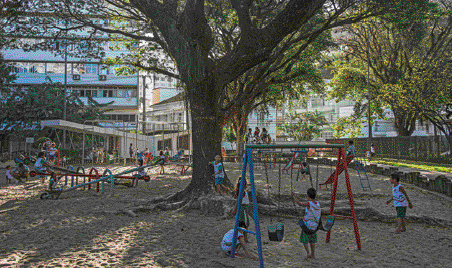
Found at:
<point>275,231</point>
<point>26,160</point>
<point>248,162</point>
<point>291,165</point>
<point>184,167</point>
<point>339,169</point>
<point>107,177</point>
<point>360,168</point>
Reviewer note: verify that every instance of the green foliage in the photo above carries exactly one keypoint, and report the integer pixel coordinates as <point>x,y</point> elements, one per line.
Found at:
<point>416,166</point>
<point>348,126</point>
<point>229,134</point>
<point>6,77</point>
<point>305,126</point>
<point>25,108</point>
<point>404,51</point>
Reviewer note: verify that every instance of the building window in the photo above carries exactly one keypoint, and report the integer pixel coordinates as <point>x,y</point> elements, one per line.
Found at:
<point>78,68</point>
<point>82,93</point>
<point>104,69</point>
<point>91,68</point>
<point>110,93</point>
<point>94,93</point>
<point>317,102</point>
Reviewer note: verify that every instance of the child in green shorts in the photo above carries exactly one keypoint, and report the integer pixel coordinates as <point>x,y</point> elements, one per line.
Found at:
<point>244,214</point>
<point>311,219</point>
<point>401,201</point>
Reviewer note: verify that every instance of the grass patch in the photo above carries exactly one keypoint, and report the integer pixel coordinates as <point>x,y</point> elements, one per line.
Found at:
<point>417,166</point>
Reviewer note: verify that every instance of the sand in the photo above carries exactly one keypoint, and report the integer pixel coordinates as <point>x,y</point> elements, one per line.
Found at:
<point>82,229</point>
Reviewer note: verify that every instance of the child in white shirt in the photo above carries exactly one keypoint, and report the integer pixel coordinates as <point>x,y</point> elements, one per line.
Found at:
<point>226,243</point>
<point>311,220</point>
<point>9,177</point>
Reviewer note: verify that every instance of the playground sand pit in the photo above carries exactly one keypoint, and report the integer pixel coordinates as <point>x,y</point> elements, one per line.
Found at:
<point>83,229</point>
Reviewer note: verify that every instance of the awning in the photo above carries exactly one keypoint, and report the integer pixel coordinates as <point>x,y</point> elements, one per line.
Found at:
<point>87,129</point>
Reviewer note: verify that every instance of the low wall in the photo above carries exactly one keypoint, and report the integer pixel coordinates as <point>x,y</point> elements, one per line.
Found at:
<point>440,184</point>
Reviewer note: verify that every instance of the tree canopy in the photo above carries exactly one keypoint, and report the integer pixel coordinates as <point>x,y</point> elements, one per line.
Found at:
<point>191,33</point>
<point>402,53</point>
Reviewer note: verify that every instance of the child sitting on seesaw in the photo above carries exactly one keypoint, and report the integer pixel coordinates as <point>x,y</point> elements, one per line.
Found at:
<point>400,198</point>
<point>226,243</point>
<point>40,163</point>
<point>53,182</point>
<point>311,219</point>
<point>141,171</point>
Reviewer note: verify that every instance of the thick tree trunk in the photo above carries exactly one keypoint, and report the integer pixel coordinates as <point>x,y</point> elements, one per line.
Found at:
<point>405,122</point>
<point>240,130</point>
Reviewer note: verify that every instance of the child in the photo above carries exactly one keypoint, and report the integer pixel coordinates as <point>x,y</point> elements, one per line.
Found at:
<point>149,157</point>
<point>167,153</point>
<point>161,160</point>
<point>311,220</point>
<point>39,165</point>
<point>264,135</point>
<point>141,171</point>
<point>226,243</point>
<point>351,149</point>
<point>53,182</point>
<point>244,208</point>
<point>256,134</point>
<point>21,172</point>
<point>52,153</point>
<point>372,150</point>
<point>9,177</point>
<point>249,136</point>
<point>400,198</point>
<point>218,174</point>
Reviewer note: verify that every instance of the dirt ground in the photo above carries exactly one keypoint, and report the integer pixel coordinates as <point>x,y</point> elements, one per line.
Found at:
<point>81,229</point>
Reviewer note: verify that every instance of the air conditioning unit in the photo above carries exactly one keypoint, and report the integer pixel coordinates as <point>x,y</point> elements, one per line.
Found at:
<point>102,77</point>
<point>75,77</point>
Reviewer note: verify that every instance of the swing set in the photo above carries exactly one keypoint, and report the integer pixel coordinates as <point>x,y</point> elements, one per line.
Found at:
<point>276,231</point>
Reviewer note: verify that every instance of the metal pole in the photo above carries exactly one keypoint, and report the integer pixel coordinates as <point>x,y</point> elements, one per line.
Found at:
<point>83,146</point>
<point>144,105</point>
<point>136,135</point>
<point>65,88</point>
<point>369,141</point>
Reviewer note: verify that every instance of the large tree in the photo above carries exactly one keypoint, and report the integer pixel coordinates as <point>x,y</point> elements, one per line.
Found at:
<point>397,49</point>
<point>305,126</point>
<point>191,31</point>
<point>289,74</point>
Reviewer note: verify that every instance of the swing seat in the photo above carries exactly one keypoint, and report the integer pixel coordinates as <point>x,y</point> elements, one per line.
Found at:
<point>329,224</point>
<point>276,232</point>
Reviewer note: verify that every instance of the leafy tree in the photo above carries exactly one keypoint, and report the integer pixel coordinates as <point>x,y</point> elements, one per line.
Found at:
<point>229,135</point>
<point>23,108</point>
<point>305,126</point>
<point>289,75</point>
<point>398,49</point>
<point>9,13</point>
<point>191,33</point>
<point>348,126</point>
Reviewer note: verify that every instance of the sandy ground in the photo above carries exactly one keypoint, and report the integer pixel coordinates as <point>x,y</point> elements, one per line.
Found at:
<point>80,230</point>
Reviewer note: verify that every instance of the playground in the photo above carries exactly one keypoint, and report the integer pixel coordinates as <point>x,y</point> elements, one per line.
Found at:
<point>86,228</point>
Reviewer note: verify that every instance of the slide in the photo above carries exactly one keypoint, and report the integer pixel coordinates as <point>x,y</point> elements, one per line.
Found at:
<point>338,171</point>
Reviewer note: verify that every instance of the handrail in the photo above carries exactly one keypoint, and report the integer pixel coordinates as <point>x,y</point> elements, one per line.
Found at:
<point>263,146</point>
